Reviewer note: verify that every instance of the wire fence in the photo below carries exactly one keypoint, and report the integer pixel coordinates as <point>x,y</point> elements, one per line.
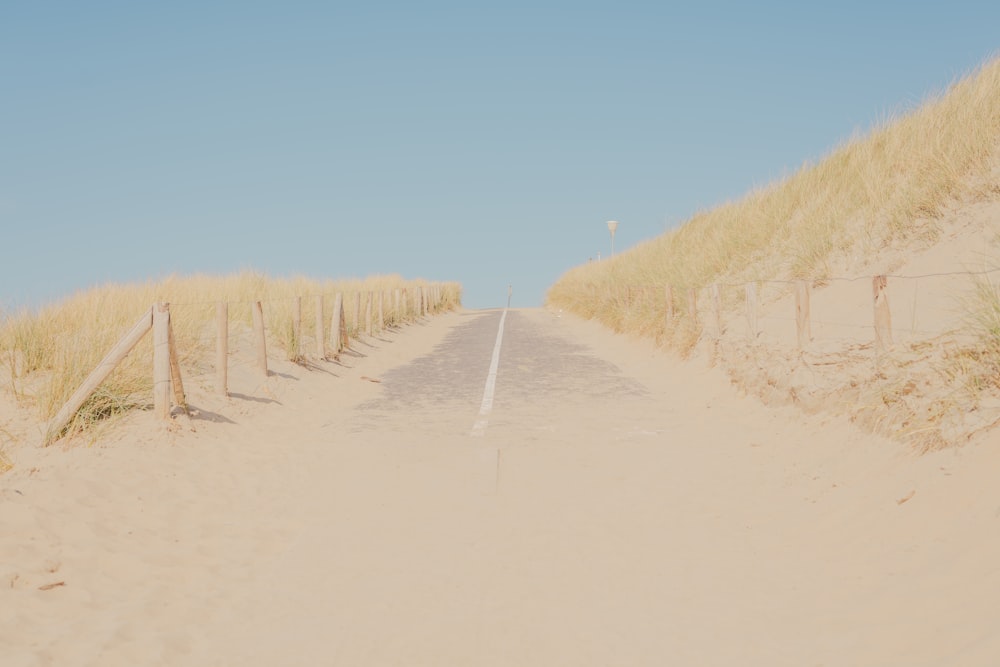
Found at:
<point>896,308</point>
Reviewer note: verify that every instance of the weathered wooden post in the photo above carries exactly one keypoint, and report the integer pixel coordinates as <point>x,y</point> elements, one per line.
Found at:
<point>883,318</point>
<point>693,305</point>
<point>222,348</point>
<point>717,306</point>
<point>337,323</point>
<point>668,298</point>
<point>161,360</point>
<point>320,343</point>
<point>751,301</point>
<point>99,375</point>
<point>802,326</point>
<point>381,310</point>
<point>259,336</point>
<point>368,313</point>
<point>175,371</point>
<point>357,313</point>
<point>297,327</point>
<point>396,310</point>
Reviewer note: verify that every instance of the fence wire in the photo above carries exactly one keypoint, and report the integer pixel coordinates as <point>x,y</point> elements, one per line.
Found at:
<point>644,300</point>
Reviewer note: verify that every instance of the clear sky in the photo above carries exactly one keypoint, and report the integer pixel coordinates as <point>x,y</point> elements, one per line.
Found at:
<point>483,143</point>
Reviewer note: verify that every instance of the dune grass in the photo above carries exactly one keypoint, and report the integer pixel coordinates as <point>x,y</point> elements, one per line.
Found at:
<point>869,199</point>
<point>48,352</point>
<point>984,321</point>
<point>887,187</point>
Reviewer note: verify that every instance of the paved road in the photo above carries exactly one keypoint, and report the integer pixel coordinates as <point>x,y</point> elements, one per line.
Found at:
<point>427,544</point>
<point>611,509</point>
<point>603,516</point>
<point>539,374</point>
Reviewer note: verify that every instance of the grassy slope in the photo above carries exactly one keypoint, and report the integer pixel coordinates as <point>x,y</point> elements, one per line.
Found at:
<point>884,191</point>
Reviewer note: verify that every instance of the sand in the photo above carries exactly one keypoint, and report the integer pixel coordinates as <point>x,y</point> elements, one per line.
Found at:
<point>621,507</point>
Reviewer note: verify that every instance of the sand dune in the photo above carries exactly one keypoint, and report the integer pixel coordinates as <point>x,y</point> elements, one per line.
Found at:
<point>621,508</point>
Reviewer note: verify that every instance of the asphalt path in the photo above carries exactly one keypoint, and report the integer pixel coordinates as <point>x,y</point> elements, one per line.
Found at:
<point>595,512</point>
<point>422,540</point>
<point>538,373</point>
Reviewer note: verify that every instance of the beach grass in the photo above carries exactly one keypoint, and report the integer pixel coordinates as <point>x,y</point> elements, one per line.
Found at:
<point>878,195</point>
<point>886,187</point>
<point>49,351</point>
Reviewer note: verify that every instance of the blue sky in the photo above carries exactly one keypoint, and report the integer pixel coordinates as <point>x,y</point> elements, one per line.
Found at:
<point>486,144</point>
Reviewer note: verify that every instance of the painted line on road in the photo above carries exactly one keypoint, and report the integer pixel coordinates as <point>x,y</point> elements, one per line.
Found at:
<point>479,428</point>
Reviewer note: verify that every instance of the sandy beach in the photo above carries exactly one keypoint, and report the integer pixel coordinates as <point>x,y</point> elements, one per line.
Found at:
<point>618,507</point>
<point>261,403</point>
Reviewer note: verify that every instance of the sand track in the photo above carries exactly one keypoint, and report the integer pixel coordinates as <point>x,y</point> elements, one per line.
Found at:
<point>620,508</point>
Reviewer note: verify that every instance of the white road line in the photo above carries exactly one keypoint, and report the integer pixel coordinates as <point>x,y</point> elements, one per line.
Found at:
<point>479,428</point>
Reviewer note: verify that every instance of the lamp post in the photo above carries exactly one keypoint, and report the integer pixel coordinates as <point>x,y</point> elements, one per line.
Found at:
<point>612,226</point>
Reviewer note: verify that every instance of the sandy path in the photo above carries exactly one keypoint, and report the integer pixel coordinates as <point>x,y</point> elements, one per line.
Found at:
<point>620,508</point>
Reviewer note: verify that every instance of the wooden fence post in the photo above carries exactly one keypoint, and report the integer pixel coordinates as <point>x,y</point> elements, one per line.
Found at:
<point>320,343</point>
<point>357,314</point>
<point>368,313</point>
<point>751,299</point>
<point>693,305</point>
<point>161,360</point>
<point>260,338</point>
<point>175,371</point>
<point>381,310</point>
<point>99,375</point>
<point>222,348</point>
<point>803,328</point>
<point>717,304</point>
<point>337,323</point>
<point>397,317</point>
<point>668,298</point>
<point>297,327</point>
<point>883,318</point>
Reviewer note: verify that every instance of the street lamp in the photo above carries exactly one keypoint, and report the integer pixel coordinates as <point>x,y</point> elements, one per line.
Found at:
<point>612,226</point>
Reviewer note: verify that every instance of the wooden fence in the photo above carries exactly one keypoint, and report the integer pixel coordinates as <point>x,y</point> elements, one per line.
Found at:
<point>168,387</point>
<point>704,308</point>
